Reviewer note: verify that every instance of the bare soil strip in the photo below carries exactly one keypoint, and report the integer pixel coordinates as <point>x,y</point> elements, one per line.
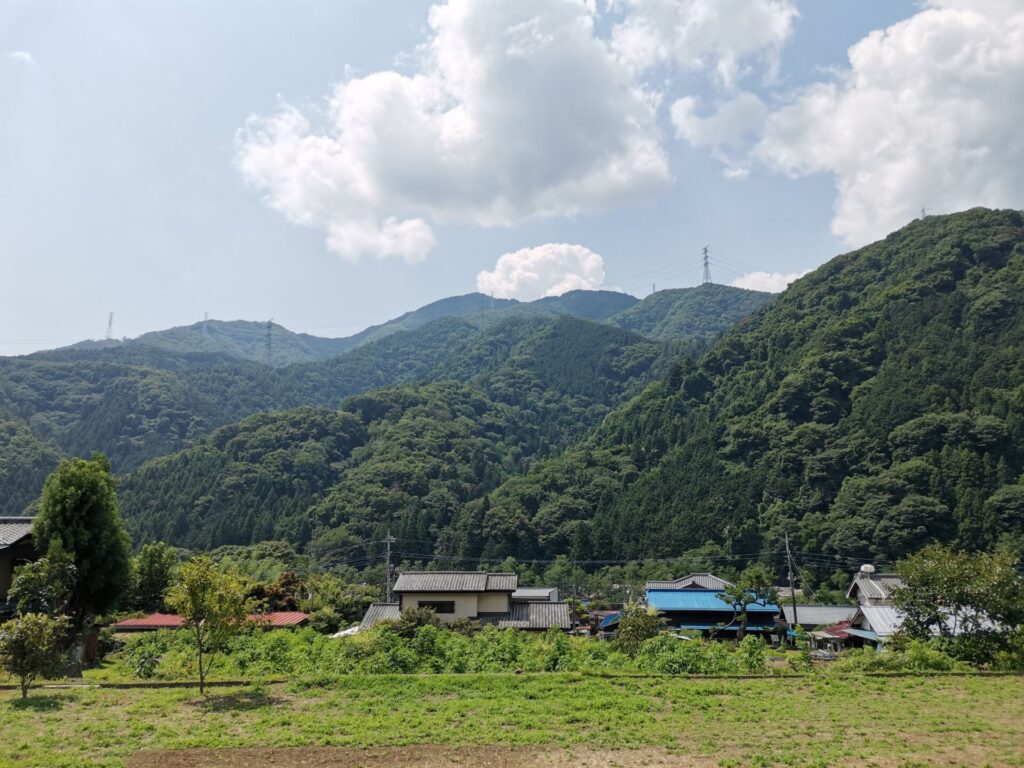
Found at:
<point>423,756</point>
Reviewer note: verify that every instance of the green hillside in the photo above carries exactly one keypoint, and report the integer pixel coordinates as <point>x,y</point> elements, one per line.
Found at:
<point>875,405</point>
<point>701,312</point>
<point>534,385</point>
<point>25,462</point>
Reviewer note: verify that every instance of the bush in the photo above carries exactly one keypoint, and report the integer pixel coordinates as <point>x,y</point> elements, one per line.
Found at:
<point>325,621</point>
<point>918,656</point>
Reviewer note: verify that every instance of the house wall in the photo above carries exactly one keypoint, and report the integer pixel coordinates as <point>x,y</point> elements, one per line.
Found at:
<point>493,602</point>
<point>6,570</point>
<point>465,603</point>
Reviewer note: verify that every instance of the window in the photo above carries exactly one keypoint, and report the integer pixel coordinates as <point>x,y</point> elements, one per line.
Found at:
<point>438,606</point>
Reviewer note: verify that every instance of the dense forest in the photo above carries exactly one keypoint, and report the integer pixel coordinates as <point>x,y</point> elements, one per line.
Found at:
<point>876,405</point>
<point>135,401</point>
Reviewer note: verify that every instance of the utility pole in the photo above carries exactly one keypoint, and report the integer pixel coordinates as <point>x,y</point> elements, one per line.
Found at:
<point>387,572</point>
<point>707,266</point>
<point>792,591</point>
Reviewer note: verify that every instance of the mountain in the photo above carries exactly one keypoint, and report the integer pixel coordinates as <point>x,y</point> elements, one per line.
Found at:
<point>409,456</point>
<point>701,312</point>
<point>152,396</point>
<point>273,344</point>
<point>876,405</point>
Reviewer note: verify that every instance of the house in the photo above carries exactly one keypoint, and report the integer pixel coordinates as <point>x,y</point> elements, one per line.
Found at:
<point>16,547</point>
<point>694,602</point>
<point>155,621</point>
<point>691,581</point>
<point>871,588</point>
<point>490,598</point>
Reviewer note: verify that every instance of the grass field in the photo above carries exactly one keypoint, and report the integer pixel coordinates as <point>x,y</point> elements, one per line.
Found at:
<point>551,719</point>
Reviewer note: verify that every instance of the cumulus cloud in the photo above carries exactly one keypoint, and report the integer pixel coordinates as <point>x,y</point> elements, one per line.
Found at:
<point>928,115</point>
<point>22,57</point>
<point>546,270</point>
<point>729,132</point>
<point>514,110</point>
<point>772,282</point>
<point>723,36</point>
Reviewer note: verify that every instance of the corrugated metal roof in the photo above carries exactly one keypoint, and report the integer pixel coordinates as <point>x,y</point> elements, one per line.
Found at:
<point>455,581</point>
<point>816,615</point>
<point>14,529</point>
<point>874,586</point>
<point>378,612</point>
<point>156,621</point>
<point>691,581</point>
<point>697,600</point>
<point>542,614</point>
<point>884,620</point>
<point>526,594</point>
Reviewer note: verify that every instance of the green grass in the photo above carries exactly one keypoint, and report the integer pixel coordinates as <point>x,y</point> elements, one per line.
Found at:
<point>811,721</point>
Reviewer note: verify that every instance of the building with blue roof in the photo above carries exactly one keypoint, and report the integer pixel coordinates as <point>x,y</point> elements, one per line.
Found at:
<point>704,610</point>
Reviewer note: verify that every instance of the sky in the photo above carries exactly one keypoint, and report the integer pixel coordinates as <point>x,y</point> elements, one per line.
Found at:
<point>333,164</point>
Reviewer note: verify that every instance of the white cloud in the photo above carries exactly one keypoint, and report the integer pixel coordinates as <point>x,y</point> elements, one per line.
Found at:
<point>723,36</point>
<point>928,115</point>
<point>729,132</point>
<point>547,270</point>
<point>772,282</point>
<point>515,110</point>
<point>22,57</point>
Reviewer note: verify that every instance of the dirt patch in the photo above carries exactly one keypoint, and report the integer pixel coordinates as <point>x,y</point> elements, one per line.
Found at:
<point>419,756</point>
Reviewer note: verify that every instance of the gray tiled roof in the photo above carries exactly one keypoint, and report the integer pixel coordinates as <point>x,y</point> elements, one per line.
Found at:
<point>874,586</point>
<point>14,529</point>
<point>691,581</point>
<point>542,614</point>
<point>819,615</point>
<point>378,612</point>
<point>455,581</point>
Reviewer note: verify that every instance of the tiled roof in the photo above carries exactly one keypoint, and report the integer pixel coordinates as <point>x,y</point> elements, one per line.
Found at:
<point>691,581</point>
<point>173,621</point>
<point>874,586</point>
<point>817,615</point>
<point>697,600</point>
<point>378,612</point>
<point>542,614</point>
<point>455,581</point>
<point>14,529</point>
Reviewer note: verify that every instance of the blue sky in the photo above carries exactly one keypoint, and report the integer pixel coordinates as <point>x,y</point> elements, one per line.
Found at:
<point>333,164</point>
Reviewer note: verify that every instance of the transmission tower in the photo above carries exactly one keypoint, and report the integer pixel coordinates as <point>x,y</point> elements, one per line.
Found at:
<point>707,266</point>
<point>206,319</point>
<point>270,341</point>
<point>110,327</point>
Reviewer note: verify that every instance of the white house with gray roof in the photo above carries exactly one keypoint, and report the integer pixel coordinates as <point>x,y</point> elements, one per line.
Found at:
<point>489,598</point>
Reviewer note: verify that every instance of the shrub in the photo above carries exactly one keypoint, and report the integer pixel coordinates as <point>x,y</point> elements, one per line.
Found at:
<point>918,656</point>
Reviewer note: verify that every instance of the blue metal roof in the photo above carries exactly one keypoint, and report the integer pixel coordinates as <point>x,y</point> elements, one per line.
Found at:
<point>697,600</point>
<point>607,621</point>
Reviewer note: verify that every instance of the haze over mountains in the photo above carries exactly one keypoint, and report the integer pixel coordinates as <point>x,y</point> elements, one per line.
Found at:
<point>873,406</point>
<point>699,312</point>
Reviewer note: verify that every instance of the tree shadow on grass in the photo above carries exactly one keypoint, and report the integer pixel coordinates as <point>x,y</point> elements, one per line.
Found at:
<point>39,703</point>
<point>242,701</point>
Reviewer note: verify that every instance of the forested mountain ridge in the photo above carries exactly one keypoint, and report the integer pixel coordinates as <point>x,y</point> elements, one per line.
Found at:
<point>247,340</point>
<point>135,401</point>
<point>874,406</point>
<point>701,312</point>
